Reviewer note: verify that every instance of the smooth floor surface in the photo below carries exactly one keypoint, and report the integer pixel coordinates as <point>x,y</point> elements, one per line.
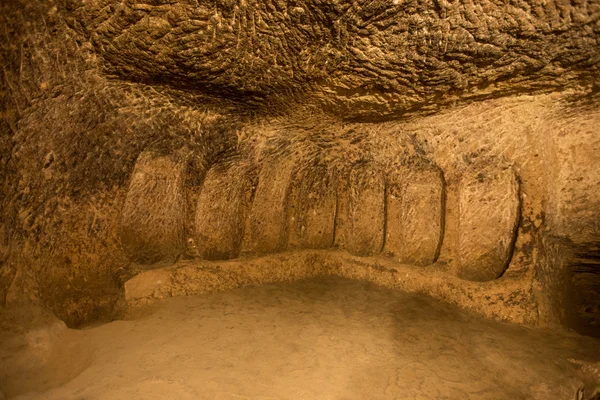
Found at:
<point>315,339</point>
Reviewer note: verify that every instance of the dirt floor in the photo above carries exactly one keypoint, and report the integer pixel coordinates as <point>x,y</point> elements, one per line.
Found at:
<point>313,339</point>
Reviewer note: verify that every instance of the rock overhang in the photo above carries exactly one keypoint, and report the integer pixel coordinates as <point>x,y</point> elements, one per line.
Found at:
<point>355,59</point>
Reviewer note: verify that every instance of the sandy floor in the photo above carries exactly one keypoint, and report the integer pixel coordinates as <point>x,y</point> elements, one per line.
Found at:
<point>316,339</point>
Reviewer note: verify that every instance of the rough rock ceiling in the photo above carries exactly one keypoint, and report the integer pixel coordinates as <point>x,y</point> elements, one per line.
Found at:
<point>359,58</point>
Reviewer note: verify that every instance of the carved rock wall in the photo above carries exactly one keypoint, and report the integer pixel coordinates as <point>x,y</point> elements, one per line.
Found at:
<point>418,136</point>
<point>301,202</point>
<point>152,227</point>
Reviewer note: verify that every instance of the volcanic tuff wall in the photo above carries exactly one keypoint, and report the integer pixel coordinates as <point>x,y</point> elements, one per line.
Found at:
<point>396,208</point>
<point>440,147</point>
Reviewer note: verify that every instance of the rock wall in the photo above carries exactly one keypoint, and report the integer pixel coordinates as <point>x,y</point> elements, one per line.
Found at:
<point>456,140</point>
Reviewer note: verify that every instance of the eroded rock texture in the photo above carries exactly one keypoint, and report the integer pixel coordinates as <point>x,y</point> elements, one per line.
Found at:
<point>223,205</point>
<point>366,211</point>
<point>152,227</point>
<point>375,58</point>
<point>452,141</point>
<point>415,214</point>
<point>267,224</point>
<point>489,210</point>
<point>314,208</point>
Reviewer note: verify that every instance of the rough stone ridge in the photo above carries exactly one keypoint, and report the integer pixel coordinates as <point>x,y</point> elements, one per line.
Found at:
<point>506,300</point>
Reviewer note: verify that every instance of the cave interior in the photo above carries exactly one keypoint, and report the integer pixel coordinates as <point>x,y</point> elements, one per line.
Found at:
<point>300,199</point>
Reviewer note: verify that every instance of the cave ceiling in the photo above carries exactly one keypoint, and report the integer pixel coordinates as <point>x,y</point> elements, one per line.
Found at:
<point>357,59</point>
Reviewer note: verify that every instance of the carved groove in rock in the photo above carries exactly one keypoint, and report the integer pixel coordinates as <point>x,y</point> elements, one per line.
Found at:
<point>366,211</point>
<point>489,212</point>
<point>266,227</point>
<point>222,207</point>
<point>153,216</point>
<point>313,207</point>
<point>415,214</point>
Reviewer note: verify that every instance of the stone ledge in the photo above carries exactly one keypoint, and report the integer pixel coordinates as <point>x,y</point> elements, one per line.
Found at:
<point>508,299</point>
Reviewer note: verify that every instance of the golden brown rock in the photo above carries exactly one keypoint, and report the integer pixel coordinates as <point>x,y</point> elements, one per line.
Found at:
<point>489,208</point>
<point>223,205</point>
<point>366,210</point>
<point>89,87</point>
<point>415,215</point>
<point>266,229</point>
<point>153,216</point>
<point>313,210</point>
